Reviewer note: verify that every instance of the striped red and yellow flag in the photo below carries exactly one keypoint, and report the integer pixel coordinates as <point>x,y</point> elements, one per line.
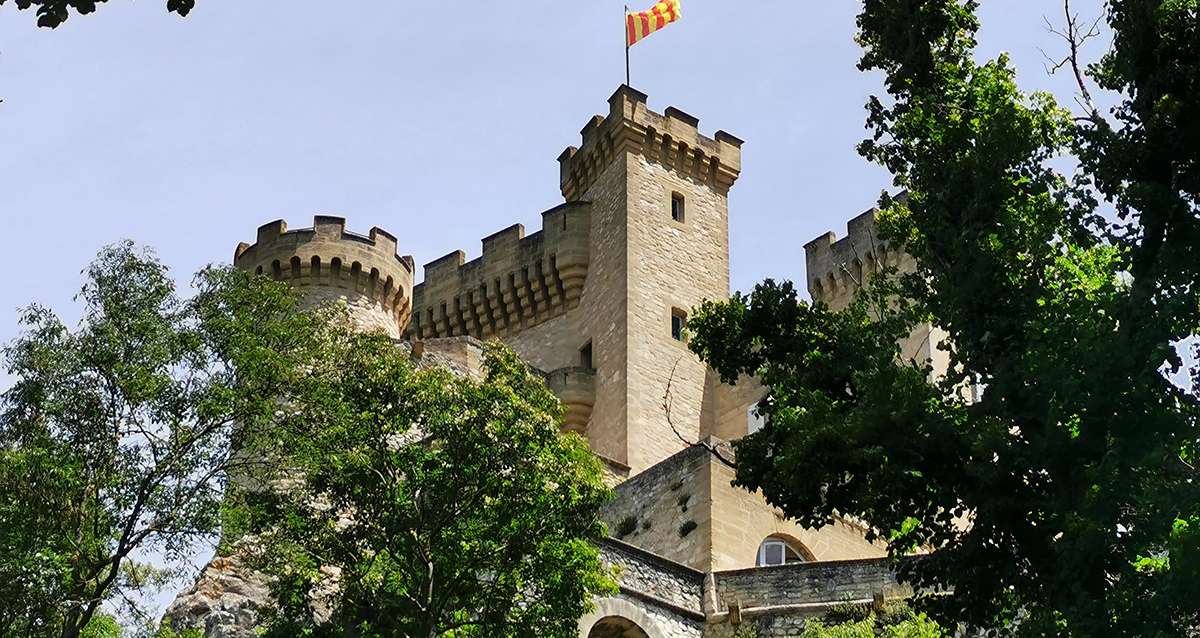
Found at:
<point>642,23</point>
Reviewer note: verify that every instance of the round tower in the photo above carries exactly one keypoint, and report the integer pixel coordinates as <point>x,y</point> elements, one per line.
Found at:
<point>327,263</point>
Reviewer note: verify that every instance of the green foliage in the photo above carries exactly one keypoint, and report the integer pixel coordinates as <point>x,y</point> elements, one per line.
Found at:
<point>102,626</point>
<point>167,631</point>
<point>859,629</point>
<point>861,621</point>
<point>1065,501</point>
<point>446,506</point>
<point>116,437</point>
<point>51,13</point>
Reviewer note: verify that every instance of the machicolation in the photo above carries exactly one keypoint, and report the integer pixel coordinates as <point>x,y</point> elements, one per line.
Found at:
<point>673,139</point>
<point>518,282</point>
<point>836,267</point>
<point>329,263</point>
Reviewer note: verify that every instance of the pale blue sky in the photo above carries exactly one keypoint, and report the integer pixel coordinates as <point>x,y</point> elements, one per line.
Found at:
<point>439,125</point>
<point>438,121</point>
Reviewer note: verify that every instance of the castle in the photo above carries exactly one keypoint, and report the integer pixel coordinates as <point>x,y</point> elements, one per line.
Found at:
<point>597,301</point>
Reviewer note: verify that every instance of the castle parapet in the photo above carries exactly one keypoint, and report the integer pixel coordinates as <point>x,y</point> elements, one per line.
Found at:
<point>518,282</point>
<point>838,267</point>
<point>672,139</point>
<point>329,263</point>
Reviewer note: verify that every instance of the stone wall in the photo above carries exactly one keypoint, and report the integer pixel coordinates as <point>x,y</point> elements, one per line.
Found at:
<point>742,520</point>
<point>799,584</point>
<point>724,413</point>
<point>668,506</point>
<point>673,266</point>
<point>661,597</point>
<point>777,601</point>
<point>365,312</point>
<point>655,577</point>
<point>667,600</point>
<point>686,509</point>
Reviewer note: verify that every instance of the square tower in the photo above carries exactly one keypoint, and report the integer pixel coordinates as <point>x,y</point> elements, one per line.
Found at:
<point>658,191</point>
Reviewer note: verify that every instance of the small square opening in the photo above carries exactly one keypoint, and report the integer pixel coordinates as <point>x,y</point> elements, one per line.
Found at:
<point>585,356</point>
<point>678,323</point>
<point>677,207</point>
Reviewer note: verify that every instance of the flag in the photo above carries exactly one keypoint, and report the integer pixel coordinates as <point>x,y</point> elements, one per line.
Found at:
<point>642,23</point>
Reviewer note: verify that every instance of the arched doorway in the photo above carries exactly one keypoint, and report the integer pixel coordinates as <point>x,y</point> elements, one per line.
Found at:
<point>614,617</point>
<point>616,627</point>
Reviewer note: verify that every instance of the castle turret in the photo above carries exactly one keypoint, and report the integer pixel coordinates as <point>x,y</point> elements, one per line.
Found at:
<point>838,268</point>
<point>327,263</point>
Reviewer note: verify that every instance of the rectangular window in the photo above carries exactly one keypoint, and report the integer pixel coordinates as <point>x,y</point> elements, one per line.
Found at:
<point>678,321</point>
<point>677,207</point>
<point>754,420</point>
<point>585,356</point>
<point>771,553</point>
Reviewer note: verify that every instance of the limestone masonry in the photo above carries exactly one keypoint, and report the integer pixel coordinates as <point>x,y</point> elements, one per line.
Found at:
<point>595,300</point>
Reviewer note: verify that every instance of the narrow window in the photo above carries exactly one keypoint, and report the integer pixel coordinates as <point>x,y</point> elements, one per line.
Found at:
<point>677,207</point>
<point>585,356</point>
<point>678,321</point>
<point>754,420</point>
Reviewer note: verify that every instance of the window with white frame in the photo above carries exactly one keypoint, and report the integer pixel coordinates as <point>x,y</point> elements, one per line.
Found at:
<point>776,551</point>
<point>755,420</point>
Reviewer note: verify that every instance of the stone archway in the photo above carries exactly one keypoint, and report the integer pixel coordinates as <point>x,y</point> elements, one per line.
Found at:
<point>616,627</point>
<point>618,618</point>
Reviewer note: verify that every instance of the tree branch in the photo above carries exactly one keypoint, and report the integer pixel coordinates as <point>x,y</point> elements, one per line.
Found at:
<point>666,405</point>
<point>1075,37</point>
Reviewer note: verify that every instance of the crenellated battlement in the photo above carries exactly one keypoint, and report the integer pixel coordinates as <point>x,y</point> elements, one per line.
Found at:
<point>837,267</point>
<point>364,270</point>
<point>672,139</point>
<point>518,281</point>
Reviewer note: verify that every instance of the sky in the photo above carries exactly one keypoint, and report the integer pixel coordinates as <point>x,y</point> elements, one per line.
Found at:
<point>439,126</point>
<point>439,122</point>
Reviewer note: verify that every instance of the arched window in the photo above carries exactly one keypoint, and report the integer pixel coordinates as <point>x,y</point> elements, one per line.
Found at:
<point>776,550</point>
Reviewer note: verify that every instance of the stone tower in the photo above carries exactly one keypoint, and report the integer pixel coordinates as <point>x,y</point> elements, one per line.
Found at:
<point>659,192</point>
<point>596,298</point>
<point>327,263</point>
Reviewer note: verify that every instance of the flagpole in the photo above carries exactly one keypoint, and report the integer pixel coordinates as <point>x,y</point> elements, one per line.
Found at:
<point>625,37</point>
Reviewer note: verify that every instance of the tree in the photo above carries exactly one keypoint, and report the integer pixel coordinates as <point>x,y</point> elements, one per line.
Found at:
<point>431,504</point>
<point>51,13</point>
<point>118,438</point>
<point>1066,500</point>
